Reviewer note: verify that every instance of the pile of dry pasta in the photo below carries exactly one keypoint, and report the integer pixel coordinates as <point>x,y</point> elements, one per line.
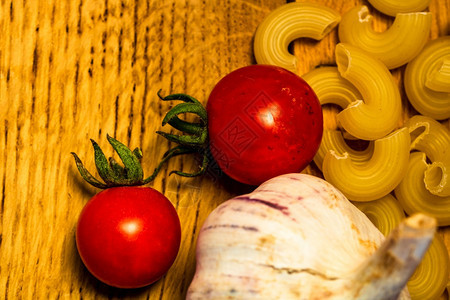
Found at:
<point>403,169</point>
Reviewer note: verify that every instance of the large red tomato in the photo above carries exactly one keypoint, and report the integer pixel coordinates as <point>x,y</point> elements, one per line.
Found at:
<point>263,121</point>
<point>128,237</point>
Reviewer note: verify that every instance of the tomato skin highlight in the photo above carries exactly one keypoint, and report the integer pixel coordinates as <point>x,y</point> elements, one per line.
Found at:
<point>128,237</point>
<point>263,121</point>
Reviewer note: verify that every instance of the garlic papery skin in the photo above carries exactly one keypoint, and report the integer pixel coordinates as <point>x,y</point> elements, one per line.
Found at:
<point>298,237</point>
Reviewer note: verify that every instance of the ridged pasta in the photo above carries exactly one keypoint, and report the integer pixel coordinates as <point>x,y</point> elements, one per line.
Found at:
<point>289,22</point>
<point>431,276</point>
<point>397,45</point>
<point>439,78</point>
<point>379,113</point>
<point>428,102</point>
<point>448,288</point>
<point>432,138</point>
<point>393,7</point>
<point>385,213</point>
<point>334,140</point>
<point>330,87</point>
<point>414,196</point>
<point>376,177</point>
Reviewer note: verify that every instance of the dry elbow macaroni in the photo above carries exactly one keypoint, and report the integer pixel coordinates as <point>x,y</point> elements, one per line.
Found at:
<point>439,78</point>
<point>430,278</point>
<point>415,197</point>
<point>333,140</point>
<point>432,138</point>
<point>397,45</point>
<point>379,113</point>
<point>393,7</point>
<point>385,213</point>
<point>287,23</point>
<point>331,88</point>
<point>374,178</point>
<point>426,101</point>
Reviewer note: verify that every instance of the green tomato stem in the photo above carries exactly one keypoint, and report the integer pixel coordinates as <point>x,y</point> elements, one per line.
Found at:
<point>194,140</point>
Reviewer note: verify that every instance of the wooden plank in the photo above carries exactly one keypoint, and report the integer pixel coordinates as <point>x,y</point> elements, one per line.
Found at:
<point>74,70</point>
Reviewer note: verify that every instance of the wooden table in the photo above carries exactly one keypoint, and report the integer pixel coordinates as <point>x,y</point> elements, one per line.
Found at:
<point>74,70</point>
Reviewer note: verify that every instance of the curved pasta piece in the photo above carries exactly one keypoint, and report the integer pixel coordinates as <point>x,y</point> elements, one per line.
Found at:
<point>379,113</point>
<point>330,87</point>
<point>385,213</point>
<point>397,45</point>
<point>413,195</point>
<point>334,140</point>
<point>434,104</point>
<point>448,287</point>
<point>375,178</point>
<point>289,22</point>
<point>432,138</point>
<point>439,78</point>
<point>430,278</point>
<point>429,136</point>
<point>393,7</point>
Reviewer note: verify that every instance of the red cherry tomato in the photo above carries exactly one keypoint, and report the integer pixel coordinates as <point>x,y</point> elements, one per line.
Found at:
<point>263,121</point>
<point>128,237</point>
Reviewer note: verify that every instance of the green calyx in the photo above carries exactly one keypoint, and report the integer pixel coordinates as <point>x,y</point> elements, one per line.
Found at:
<point>111,172</point>
<point>195,137</point>
<point>130,173</point>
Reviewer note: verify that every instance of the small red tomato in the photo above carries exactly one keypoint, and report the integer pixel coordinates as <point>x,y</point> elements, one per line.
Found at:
<point>128,237</point>
<point>263,121</point>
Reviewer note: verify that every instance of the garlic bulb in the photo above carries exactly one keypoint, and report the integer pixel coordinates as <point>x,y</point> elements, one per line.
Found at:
<point>298,237</point>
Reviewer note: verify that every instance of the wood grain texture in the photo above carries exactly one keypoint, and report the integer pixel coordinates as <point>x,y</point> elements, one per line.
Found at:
<point>74,70</point>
